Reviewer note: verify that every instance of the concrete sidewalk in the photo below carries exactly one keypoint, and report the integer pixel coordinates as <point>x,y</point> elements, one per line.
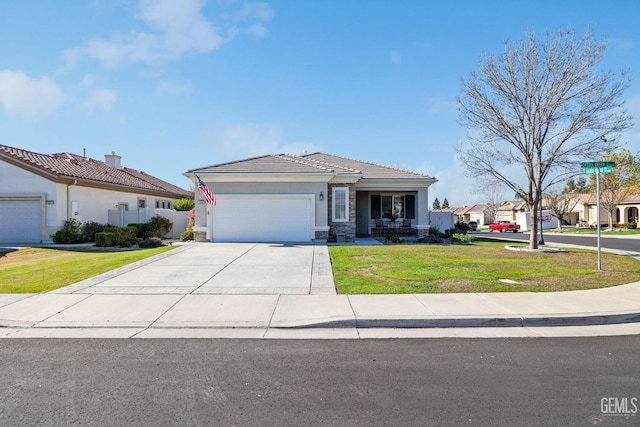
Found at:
<point>109,306</point>
<point>130,315</point>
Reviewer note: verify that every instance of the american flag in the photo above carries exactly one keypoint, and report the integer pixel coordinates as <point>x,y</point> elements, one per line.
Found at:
<point>208,195</point>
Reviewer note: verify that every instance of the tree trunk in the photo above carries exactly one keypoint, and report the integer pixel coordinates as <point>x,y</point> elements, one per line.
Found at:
<point>533,237</point>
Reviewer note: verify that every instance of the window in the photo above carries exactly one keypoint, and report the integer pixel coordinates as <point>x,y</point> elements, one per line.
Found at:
<point>142,203</point>
<point>163,204</point>
<point>340,204</point>
<point>400,206</point>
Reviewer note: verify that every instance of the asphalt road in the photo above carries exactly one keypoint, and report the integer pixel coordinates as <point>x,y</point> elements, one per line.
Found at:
<point>443,382</point>
<point>625,244</point>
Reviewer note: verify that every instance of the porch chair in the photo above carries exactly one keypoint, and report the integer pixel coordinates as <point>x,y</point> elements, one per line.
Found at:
<point>405,227</point>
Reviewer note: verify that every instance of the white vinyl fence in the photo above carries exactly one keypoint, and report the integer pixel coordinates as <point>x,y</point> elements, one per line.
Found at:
<point>179,219</point>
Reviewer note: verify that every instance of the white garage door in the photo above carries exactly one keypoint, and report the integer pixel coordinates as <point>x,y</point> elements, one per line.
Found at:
<point>20,221</point>
<point>263,218</point>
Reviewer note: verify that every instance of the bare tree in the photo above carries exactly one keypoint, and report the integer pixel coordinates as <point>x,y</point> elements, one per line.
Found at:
<point>615,186</point>
<point>493,196</point>
<point>542,106</point>
<point>560,204</point>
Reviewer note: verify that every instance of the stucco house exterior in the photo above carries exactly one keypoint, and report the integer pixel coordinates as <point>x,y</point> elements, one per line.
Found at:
<point>585,211</point>
<point>312,197</point>
<point>38,192</point>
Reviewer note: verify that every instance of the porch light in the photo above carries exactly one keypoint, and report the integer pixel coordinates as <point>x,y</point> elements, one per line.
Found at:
<point>321,196</point>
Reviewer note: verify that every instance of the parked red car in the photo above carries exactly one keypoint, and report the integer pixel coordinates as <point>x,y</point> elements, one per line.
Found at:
<point>504,226</point>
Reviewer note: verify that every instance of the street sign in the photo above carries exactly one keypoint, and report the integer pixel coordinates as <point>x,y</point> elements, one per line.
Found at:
<point>598,165</point>
<point>593,171</point>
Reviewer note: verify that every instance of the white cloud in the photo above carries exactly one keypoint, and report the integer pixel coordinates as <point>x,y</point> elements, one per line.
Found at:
<point>29,97</point>
<point>175,28</point>
<point>395,57</point>
<point>88,96</point>
<point>240,140</point>
<point>178,28</point>
<point>249,19</point>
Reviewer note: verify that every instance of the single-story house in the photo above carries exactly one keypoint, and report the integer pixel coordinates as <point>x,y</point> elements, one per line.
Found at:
<point>585,211</point>
<point>310,197</point>
<point>509,210</point>
<point>478,213</point>
<point>38,192</point>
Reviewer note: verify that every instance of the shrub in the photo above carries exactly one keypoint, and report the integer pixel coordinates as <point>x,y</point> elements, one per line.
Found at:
<point>184,205</point>
<point>460,238</point>
<point>159,226</point>
<point>461,227</point>
<point>631,225</point>
<point>151,242</point>
<point>188,233</point>
<point>71,232</point>
<point>142,230</point>
<point>186,236</point>
<point>430,239</point>
<point>392,238</point>
<point>105,239</point>
<point>89,230</point>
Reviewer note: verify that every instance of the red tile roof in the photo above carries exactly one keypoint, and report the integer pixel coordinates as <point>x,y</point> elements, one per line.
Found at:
<point>67,165</point>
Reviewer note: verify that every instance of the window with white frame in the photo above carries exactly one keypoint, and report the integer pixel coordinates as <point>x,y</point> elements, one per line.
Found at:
<point>340,204</point>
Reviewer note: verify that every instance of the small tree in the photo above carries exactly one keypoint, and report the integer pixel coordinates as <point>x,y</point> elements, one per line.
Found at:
<point>436,204</point>
<point>578,186</point>
<point>534,113</point>
<point>493,196</point>
<point>445,204</point>
<point>617,185</point>
<point>560,204</point>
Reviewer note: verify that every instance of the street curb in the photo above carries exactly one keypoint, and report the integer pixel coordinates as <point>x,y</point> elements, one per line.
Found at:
<point>475,322</point>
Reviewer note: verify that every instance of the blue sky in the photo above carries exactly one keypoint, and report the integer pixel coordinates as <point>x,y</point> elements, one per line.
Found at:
<point>175,85</point>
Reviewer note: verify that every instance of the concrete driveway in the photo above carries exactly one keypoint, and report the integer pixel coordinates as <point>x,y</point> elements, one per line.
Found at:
<point>221,268</point>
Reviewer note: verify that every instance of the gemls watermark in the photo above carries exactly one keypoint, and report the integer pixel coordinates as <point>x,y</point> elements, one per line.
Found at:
<point>619,406</point>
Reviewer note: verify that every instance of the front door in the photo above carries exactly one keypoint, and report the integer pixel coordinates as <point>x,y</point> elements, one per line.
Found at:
<point>362,213</point>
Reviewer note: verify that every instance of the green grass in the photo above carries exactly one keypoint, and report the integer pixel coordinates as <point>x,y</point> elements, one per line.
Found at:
<point>400,269</point>
<point>35,270</point>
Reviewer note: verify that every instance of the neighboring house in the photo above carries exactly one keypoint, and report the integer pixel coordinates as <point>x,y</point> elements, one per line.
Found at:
<point>508,210</point>
<point>38,192</point>
<point>304,198</point>
<point>478,213</point>
<point>585,211</point>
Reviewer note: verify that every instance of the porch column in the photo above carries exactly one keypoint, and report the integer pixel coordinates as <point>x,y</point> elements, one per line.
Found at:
<point>422,211</point>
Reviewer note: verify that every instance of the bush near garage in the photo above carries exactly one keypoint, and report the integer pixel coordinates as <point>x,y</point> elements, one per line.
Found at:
<point>159,226</point>
<point>188,233</point>
<point>73,231</point>
<point>184,205</point>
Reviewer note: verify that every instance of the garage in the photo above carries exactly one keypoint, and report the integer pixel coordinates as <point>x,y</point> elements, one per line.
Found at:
<point>263,218</point>
<point>20,220</point>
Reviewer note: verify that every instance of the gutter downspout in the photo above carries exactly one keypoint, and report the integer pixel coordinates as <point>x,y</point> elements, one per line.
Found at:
<point>75,182</point>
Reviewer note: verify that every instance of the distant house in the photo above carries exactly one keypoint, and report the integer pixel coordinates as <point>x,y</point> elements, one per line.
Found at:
<point>509,210</point>
<point>38,192</point>
<point>478,213</point>
<point>316,196</point>
<point>585,211</point>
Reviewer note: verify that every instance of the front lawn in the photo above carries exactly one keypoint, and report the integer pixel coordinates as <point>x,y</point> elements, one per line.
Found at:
<point>403,269</point>
<point>36,270</point>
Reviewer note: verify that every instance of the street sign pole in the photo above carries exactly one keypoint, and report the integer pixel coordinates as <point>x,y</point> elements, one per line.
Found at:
<point>597,168</point>
<point>598,215</point>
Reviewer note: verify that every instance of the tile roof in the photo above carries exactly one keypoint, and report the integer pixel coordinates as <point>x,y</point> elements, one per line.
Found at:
<point>369,170</point>
<point>61,165</point>
<point>309,163</point>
